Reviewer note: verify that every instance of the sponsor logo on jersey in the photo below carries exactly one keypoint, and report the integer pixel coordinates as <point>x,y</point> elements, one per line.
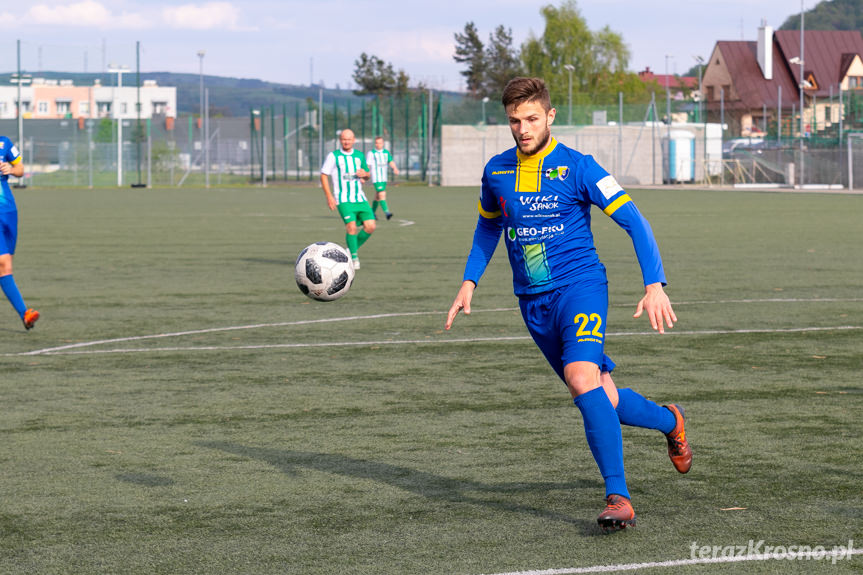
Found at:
<point>503,173</point>
<point>539,203</point>
<point>558,173</point>
<point>534,233</point>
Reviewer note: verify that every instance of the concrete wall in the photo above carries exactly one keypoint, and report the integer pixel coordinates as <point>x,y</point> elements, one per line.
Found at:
<point>632,153</point>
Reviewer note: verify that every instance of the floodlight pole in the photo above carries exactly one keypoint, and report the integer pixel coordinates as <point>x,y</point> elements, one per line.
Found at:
<point>484,102</point>
<point>20,79</point>
<point>569,68</point>
<point>119,70</point>
<point>204,141</point>
<point>802,60</point>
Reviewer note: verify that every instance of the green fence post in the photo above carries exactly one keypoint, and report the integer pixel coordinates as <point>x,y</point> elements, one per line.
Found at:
<point>297,137</point>
<point>407,138</point>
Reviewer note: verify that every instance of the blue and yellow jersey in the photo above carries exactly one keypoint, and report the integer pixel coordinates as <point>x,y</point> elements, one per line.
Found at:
<point>9,154</point>
<point>542,205</point>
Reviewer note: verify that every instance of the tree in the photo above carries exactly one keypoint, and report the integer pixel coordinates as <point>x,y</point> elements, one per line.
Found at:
<point>832,15</point>
<point>469,50</point>
<point>599,59</point>
<point>374,76</point>
<point>502,61</point>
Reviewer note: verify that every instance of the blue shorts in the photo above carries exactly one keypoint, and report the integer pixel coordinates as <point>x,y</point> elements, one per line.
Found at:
<point>568,324</point>
<point>8,232</point>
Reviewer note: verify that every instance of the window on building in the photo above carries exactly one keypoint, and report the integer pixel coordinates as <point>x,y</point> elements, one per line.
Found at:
<point>3,107</point>
<point>25,106</point>
<point>160,108</point>
<point>84,108</point>
<point>42,107</point>
<point>103,109</point>
<point>124,108</point>
<point>63,107</point>
<point>855,82</point>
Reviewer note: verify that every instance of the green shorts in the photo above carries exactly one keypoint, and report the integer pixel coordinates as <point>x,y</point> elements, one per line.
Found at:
<point>356,211</point>
<point>380,186</point>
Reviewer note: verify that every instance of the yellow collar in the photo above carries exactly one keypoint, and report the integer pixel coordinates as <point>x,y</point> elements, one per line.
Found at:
<point>552,144</point>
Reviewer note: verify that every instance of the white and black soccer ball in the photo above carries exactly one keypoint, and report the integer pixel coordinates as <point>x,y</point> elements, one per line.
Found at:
<point>324,271</point>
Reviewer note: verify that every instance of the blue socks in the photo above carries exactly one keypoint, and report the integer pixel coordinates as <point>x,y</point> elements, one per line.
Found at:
<point>12,294</point>
<point>636,410</point>
<point>602,428</point>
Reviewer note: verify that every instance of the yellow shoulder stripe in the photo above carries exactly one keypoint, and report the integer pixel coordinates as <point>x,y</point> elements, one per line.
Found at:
<point>613,206</point>
<point>16,161</point>
<point>486,214</point>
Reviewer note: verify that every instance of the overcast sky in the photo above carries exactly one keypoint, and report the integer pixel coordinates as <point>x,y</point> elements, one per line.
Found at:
<point>299,42</point>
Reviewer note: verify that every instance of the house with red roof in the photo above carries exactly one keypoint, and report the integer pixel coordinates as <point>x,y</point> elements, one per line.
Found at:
<point>678,86</point>
<point>758,84</point>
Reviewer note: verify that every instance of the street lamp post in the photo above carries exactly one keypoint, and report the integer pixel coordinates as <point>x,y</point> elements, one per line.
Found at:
<point>700,62</point>
<point>569,68</point>
<point>484,102</point>
<point>119,70</point>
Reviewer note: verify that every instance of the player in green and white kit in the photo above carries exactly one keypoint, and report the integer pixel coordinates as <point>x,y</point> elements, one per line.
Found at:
<point>379,160</point>
<point>349,170</point>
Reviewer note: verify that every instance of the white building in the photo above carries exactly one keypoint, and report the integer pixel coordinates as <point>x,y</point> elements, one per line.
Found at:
<point>46,99</point>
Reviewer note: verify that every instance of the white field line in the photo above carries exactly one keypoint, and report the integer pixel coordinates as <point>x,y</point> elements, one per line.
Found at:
<point>803,556</point>
<point>66,350</point>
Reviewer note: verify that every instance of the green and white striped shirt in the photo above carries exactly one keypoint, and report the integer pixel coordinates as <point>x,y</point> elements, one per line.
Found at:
<point>342,168</point>
<point>379,161</point>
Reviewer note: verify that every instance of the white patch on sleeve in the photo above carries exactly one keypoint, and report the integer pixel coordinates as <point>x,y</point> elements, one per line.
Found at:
<point>608,186</point>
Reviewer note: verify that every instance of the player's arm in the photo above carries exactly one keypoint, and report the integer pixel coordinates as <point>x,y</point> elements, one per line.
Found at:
<point>655,301</point>
<point>327,169</point>
<point>616,204</point>
<point>486,236</point>
<point>363,173</point>
<point>14,167</point>
<point>328,194</point>
<point>392,164</point>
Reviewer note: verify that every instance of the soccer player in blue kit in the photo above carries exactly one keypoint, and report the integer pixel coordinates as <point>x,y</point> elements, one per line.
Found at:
<point>540,195</point>
<point>11,164</point>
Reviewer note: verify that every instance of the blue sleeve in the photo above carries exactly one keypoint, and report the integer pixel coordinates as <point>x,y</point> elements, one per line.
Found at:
<point>486,236</point>
<point>630,219</point>
<point>604,191</point>
<point>10,152</point>
<point>485,240</point>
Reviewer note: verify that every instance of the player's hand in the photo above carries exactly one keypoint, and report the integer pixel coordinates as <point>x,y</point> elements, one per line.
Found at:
<point>5,168</point>
<point>462,302</point>
<point>362,174</point>
<point>331,203</point>
<point>658,307</point>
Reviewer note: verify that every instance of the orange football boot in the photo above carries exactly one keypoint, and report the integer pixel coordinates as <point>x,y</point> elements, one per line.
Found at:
<point>678,447</point>
<point>30,317</point>
<point>618,513</point>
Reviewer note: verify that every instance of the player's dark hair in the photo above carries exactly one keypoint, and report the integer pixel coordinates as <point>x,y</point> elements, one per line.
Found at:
<point>520,90</point>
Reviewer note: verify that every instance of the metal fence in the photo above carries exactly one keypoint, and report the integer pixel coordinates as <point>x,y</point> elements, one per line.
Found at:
<point>289,142</point>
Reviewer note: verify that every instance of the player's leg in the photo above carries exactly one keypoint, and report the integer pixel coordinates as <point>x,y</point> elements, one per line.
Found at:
<point>568,328</point>
<point>349,217</point>
<point>635,410</point>
<point>366,216</point>
<point>582,319</point>
<point>381,199</point>
<point>8,239</point>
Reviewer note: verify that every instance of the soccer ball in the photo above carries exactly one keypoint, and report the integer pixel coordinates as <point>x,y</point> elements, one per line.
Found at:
<point>324,271</point>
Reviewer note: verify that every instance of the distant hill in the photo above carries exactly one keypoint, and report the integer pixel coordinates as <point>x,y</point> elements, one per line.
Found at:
<point>829,15</point>
<point>228,96</point>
